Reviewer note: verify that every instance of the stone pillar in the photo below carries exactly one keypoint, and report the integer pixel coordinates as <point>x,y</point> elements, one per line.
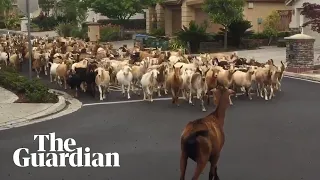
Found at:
<point>300,53</point>
<point>149,15</point>
<point>160,16</point>
<point>187,14</point>
<point>24,24</point>
<point>168,21</point>
<point>93,31</point>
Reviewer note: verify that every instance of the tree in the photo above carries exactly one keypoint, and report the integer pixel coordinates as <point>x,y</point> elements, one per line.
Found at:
<point>224,12</point>
<point>271,25</point>
<point>121,10</point>
<point>46,6</point>
<point>74,10</point>
<point>5,6</point>
<point>312,12</point>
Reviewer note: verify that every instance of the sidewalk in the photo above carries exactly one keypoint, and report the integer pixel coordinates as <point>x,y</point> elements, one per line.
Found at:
<point>12,113</point>
<point>312,77</point>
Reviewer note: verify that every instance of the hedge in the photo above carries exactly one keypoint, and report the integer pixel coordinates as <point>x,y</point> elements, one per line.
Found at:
<point>32,90</point>
<point>129,24</point>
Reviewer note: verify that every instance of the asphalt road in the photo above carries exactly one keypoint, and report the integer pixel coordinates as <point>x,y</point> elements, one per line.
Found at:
<point>273,140</point>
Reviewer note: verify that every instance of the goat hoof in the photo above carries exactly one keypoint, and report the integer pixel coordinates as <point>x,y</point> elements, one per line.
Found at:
<point>204,110</point>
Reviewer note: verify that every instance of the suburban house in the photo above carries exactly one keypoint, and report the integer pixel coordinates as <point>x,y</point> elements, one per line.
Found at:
<point>298,19</point>
<point>97,16</point>
<point>173,14</point>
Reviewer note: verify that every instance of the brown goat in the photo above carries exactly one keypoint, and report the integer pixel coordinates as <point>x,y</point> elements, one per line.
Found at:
<point>212,81</point>
<point>174,83</point>
<point>62,71</point>
<point>203,139</point>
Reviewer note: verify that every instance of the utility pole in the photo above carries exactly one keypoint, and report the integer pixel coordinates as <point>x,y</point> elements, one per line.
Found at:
<point>29,39</point>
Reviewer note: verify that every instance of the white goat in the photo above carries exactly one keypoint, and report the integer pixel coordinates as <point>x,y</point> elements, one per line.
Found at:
<point>149,84</point>
<point>4,58</point>
<point>199,86</point>
<point>102,81</point>
<point>244,80</point>
<point>53,71</point>
<point>124,77</point>
<point>225,77</point>
<point>186,80</point>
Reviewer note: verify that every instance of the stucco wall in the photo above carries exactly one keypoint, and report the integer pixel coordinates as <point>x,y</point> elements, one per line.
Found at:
<point>176,20</point>
<point>261,10</point>
<point>297,20</point>
<point>201,16</point>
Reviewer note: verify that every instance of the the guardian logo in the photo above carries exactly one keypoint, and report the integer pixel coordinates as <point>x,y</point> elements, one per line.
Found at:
<point>62,154</point>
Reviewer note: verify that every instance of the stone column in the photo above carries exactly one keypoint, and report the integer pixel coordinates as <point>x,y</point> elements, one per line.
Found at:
<point>187,14</point>
<point>24,24</point>
<point>168,21</point>
<point>149,15</point>
<point>300,53</point>
<point>160,16</point>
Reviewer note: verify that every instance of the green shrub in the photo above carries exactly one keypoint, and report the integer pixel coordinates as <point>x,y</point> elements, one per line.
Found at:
<point>258,36</point>
<point>65,29</point>
<point>109,33</point>
<point>34,90</point>
<point>80,33</point>
<point>129,24</point>
<point>158,32</point>
<point>176,44</point>
<point>283,34</point>
<point>48,23</point>
<point>236,31</point>
<point>194,34</point>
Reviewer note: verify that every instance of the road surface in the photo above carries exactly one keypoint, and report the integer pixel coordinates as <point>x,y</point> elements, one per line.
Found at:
<point>265,140</point>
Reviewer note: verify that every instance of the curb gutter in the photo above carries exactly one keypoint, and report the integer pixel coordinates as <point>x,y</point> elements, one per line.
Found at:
<point>68,105</point>
<point>55,108</point>
<point>301,76</point>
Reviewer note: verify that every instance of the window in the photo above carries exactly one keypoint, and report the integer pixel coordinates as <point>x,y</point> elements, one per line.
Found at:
<point>250,5</point>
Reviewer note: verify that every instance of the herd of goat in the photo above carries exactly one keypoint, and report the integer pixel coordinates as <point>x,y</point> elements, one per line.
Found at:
<point>92,67</point>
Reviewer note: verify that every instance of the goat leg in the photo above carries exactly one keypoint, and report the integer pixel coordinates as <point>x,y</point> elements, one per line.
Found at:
<point>271,92</point>
<point>248,91</point>
<point>202,103</point>
<point>230,101</point>
<point>159,89</point>
<point>190,97</point>
<point>265,93</point>
<point>183,164</point>
<point>128,91</point>
<point>104,91</point>
<point>100,91</point>
<point>123,90</point>
<point>144,93</point>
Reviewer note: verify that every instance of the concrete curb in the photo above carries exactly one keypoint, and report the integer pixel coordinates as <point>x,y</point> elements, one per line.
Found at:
<point>68,108</point>
<point>301,76</point>
<point>12,97</point>
<point>55,108</point>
